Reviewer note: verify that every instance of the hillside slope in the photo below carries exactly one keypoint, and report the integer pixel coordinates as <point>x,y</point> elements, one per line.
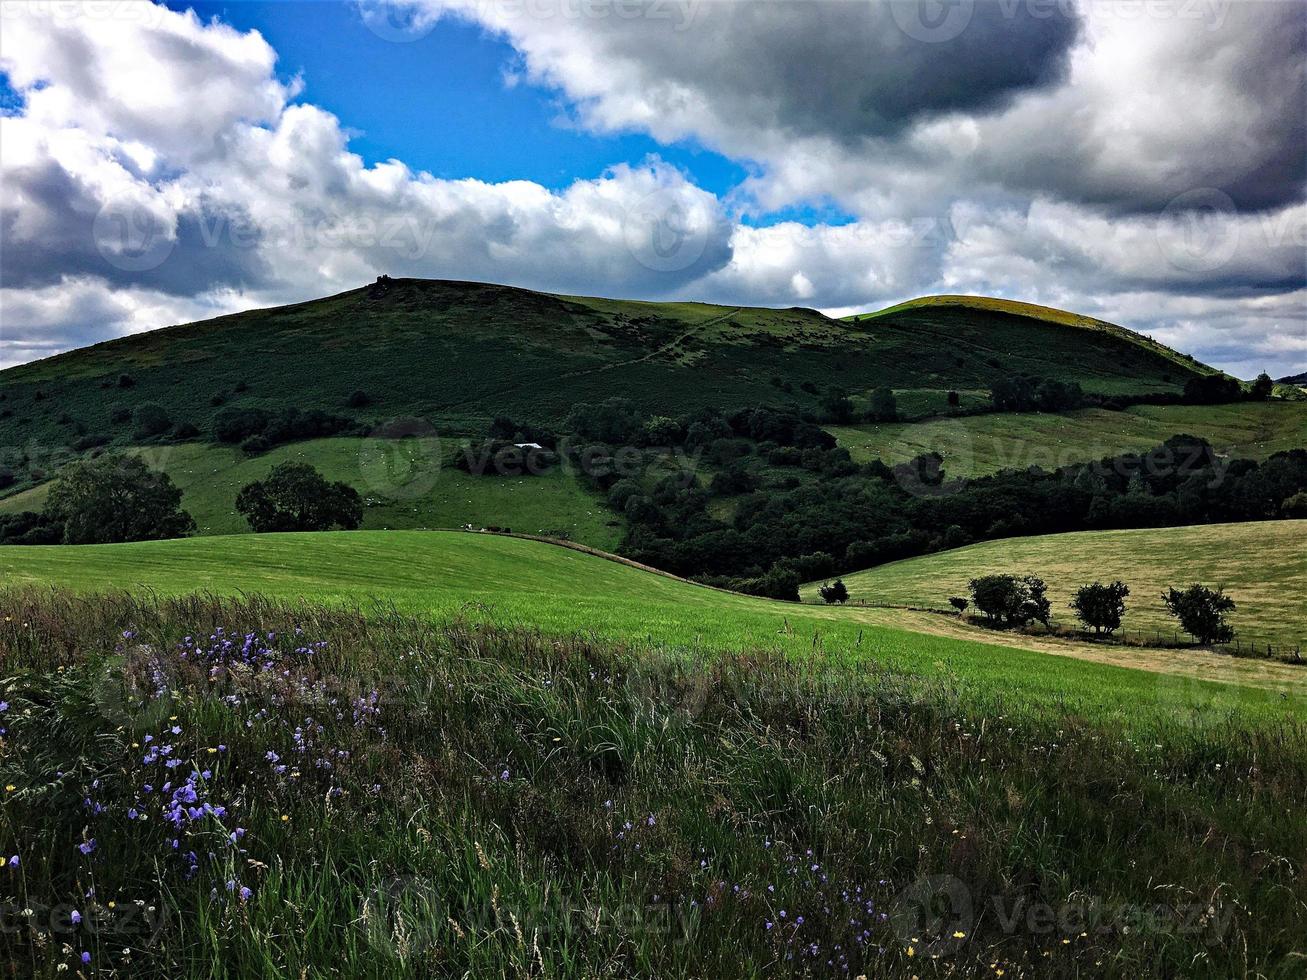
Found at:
<point>460,353</point>
<point>563,591</point>
<point>1262,565</point>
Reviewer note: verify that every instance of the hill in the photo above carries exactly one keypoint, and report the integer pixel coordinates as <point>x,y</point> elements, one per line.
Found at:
<point>1262,565</point>
<point>458,353</point>
<point>1295,379</point>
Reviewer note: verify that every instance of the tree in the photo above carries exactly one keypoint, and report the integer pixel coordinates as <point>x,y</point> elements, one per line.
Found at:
<point>1007,600</point>
<point>1262,388</point>
<point>1293,506</point>
<point>836,407</point>
<point>116,498</point>
<point>296,497</point>
<point>954,399</point>
<point>358,398</point>
<point>883,407</point>
<point>959,603</point>
<point>1100,607</point>
<point>835,592</point>
<point>1201,612</point>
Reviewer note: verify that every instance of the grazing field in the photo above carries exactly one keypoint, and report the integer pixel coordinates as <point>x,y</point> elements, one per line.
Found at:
<point>1262,565</point>
<point>405,483</point>
<point>206,787</point>
<point>978,445</point>
<point>510,581</point>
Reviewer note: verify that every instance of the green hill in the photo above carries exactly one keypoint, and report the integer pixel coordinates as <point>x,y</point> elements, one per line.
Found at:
<point>1262,565</point>
<point>459,353</point>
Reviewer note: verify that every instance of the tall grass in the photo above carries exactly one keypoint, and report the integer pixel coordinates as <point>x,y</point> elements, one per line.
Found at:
<point>460,799</point>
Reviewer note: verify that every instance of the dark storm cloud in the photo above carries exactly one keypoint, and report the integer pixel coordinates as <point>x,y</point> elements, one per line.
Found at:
<point>53,225</point>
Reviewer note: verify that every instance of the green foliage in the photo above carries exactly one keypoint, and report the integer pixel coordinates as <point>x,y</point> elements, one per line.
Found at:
<point>1009,600</point>
<point>296,497</point>
<point>959,603</point>
<point>1201,612</point>
<point>834,593</point>
<point>1101,607</point>
<point>1262,388</point>
<point>116,498</point>
<point>883,407</point>
<point>151,420</point>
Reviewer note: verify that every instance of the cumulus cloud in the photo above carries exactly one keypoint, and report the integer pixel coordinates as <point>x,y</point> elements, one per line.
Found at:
<point>1140,162</point>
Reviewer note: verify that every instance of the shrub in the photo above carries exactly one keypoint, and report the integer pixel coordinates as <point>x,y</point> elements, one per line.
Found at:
<point>1296,505</point>
<point>835,592</point>
<point>120,415</point>
<point>296,497</point>
<point>954,399</point>
<point>29,527</point>
<point>116,498</point>
<point>358,398</point>
<point>959,603</point>
<point>1201,612</point>
<point>186,430</point>
<point>151,420</point>
<point>238,424</point>
<point>126,381</point>
<point>1101,607</point>
<point>7,478</point>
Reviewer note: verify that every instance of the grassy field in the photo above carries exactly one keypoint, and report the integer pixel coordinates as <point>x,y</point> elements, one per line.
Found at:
<point>1262,565</point>
<point>978,445</point>
<point>211,788</point>
<point>405,484</point>
<point>457,354</point>
<point>508,581</point>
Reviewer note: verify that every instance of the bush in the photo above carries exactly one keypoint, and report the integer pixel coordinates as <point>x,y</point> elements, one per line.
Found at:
<point>1296,505</point>
<point>238,424</point>
<point>358,399</point>
<point>835,592</point>
<point>1101,607</point>
<point>151,420</point>
<point>116,498</point>
<point>1201,612</point>
<point>959,603</point>
<point>29,527</point>
<point>120,415</point>
<point>7,478</point>
<point>126,381</point>
<point>186,430</point>
<point>296,497</point>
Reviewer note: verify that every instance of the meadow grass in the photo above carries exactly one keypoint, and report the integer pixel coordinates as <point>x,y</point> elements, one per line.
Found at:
<point>561,591</point>
<point>978,445</point>
<point>1261,564</point>
<point>378,796</point>
<point>405,484</point>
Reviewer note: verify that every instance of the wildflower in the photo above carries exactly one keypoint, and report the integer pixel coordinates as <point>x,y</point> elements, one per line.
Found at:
<point>245,893</point>
<point>86,847</point>
<point>285,817</point>
<point>75,917</point>
<point>13,861</point>
<point>10,788</point>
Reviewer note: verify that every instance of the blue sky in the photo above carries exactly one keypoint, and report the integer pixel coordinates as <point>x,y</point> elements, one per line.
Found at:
<point>838,155</point>
<point>441,102</point>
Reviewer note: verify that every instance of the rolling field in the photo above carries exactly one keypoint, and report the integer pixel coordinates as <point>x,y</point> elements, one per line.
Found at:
<point>405,484</point>
<point>562,591</point>
<point>1262,565</point>
<point>979,445</point>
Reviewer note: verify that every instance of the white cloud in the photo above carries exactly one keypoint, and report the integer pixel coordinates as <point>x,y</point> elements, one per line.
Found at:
<point>162,171</point>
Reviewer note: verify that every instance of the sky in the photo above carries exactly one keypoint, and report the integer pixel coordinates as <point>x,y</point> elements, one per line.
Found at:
<point>1142,162</point>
